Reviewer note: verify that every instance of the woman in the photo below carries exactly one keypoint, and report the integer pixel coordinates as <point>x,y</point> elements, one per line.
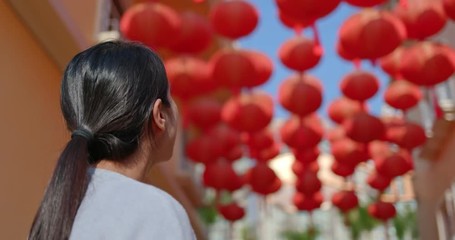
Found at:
<point>115,100</point>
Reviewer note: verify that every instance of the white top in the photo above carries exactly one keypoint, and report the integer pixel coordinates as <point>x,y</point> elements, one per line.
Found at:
<point>117,207</point>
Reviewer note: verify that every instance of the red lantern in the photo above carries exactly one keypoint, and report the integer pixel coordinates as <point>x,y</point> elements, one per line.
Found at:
<point>226,138</point>
<point>189,77</point>
<point>263,69</point>
<point>448,50</point>
<point>203,149</point>
<point>371,34</point>
<point>359,85</point>
<point>231,212</point>
<point>345,200</point>
<point>221,175</point>
<point>266,154</point>
<point>422,18</point>
<point>306,155</point>
<point>395,165</point>
<point>379,149</point>
<point>234,153</point>
<point>344,54</point>
<point>427,64</point>
<point>364,128</point>
<point>276,185</point>
<point>379,182</point>
<point>233,68</point>
<point>248,112</point>
<point>302,133</point>
<point>235,183</point>
<point>336,134</point>
<point>343,108</point>
<point>154,24</point>
<point>307,203</point>
<point>365,3</point>
<point>234,19</point>
<point>349,152</point>
<point>405,134</point>
<point>300,53</point>
<point>304,11</point>
<point>293,23</point>
<point>204,113</point>
<point>300,168</point>
<point>261,177</point>
<point>260,140</point>
<point>449,8</point>
<point>342,170</point>
<point>382,210</point>
<point>301,94</point>
<point>308,183</point>
<point>402,95</point>
<point>391,63</point>
<point>195,34</point>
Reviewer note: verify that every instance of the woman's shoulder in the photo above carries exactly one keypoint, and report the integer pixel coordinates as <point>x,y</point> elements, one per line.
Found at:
<point>118,187</point>
<point>117,205</point>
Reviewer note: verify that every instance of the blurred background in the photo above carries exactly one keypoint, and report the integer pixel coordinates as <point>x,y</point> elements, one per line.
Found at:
<point>300,119</point>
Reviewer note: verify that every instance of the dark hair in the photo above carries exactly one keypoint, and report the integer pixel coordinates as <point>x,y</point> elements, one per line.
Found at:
<point>108,91</point>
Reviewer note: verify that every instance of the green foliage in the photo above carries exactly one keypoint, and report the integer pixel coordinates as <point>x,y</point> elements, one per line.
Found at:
<point>309,234</point>
<point>359,220</point>
<point>400,227</point>
<point>225,197</point>
<point>404,222</point>
<point>247,233</point>
<point>208,214</point>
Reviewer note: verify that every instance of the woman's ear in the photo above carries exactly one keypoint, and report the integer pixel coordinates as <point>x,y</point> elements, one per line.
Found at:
<point>158,115</point>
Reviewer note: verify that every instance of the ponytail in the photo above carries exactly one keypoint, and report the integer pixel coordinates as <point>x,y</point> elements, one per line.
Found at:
<point>64,194</point>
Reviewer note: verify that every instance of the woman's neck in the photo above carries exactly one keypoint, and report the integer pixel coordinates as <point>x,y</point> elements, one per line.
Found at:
<point>135,166</point>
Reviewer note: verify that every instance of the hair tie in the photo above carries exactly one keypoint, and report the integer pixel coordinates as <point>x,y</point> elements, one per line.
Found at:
<point>87,134</point>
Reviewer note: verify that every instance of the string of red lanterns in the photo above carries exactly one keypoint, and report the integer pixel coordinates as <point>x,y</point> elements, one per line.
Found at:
<point>397,39</point>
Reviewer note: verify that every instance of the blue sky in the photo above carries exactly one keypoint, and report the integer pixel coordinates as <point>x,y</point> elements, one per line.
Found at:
<point>270,34</point>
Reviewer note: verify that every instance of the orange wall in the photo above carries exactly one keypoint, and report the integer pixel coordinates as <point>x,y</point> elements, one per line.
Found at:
<point>80,18</point>
<point>32,131</point>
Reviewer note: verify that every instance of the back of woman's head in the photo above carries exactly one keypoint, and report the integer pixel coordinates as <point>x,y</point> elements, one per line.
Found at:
<point>108,92</point>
